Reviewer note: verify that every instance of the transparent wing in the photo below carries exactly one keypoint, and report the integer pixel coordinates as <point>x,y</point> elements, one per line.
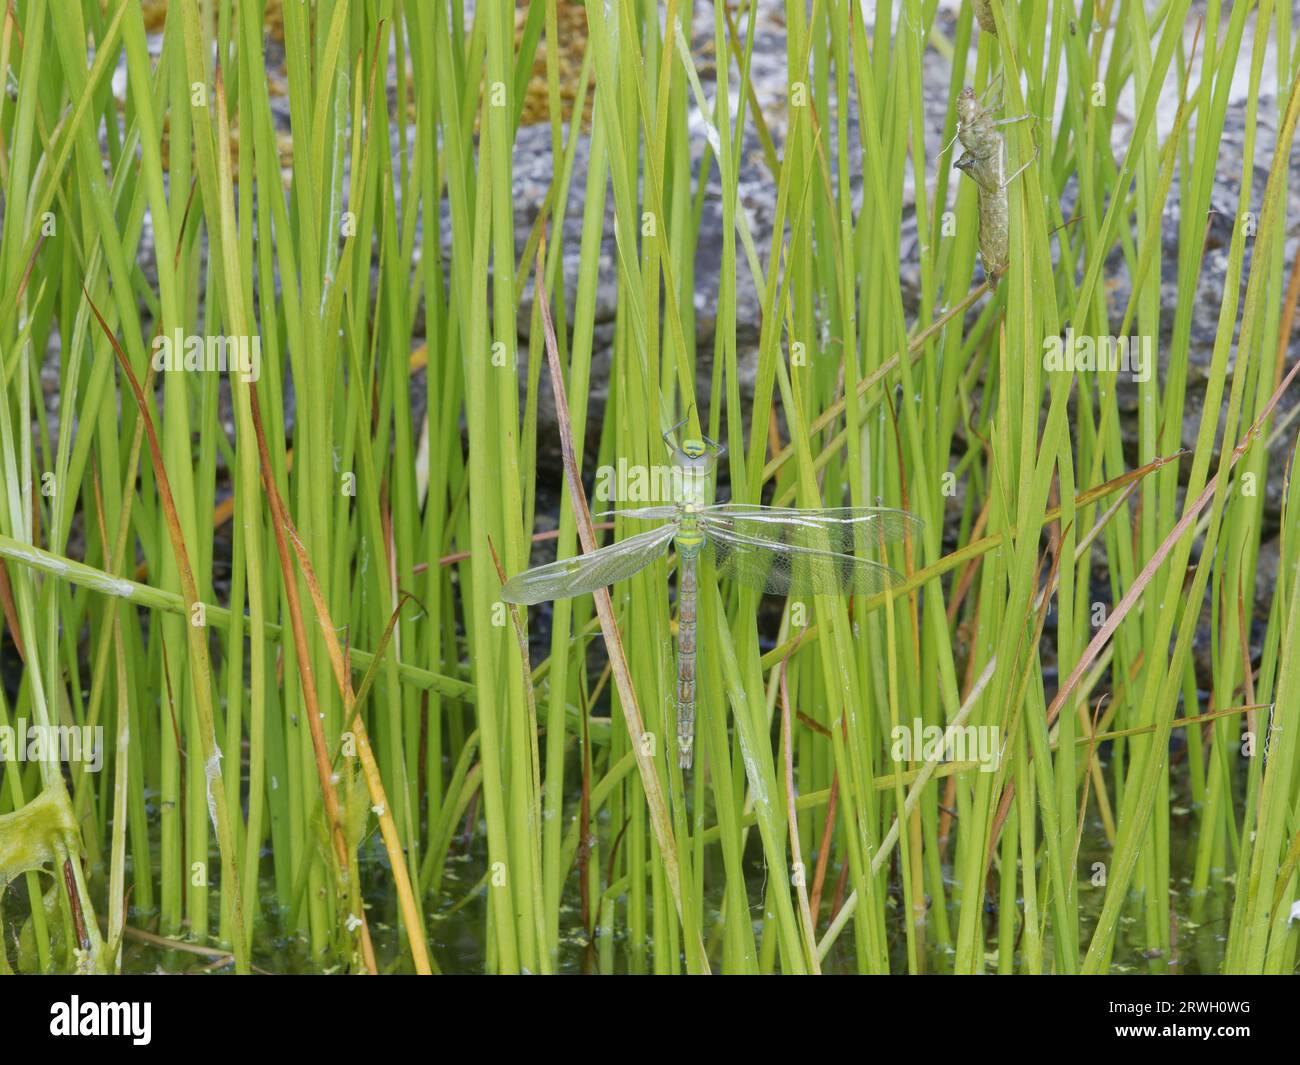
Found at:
<point>585,573</point>
<point>844,530</point>
<point>789,569</point>
<point>659,513</point>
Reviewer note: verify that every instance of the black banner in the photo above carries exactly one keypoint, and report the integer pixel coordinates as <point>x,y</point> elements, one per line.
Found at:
<point>144,1015</point>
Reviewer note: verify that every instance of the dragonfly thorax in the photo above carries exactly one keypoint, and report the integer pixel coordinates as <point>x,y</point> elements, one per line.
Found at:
<point>693,465</point>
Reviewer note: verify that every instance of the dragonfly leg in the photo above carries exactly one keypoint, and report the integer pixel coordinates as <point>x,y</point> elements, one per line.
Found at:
<point>1014,119</point>
<point>985,100</point>
<point>1021,170</point>
<point>668,443</point>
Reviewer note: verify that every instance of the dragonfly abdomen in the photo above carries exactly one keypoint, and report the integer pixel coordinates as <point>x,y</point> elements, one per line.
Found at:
<point>688,550</point>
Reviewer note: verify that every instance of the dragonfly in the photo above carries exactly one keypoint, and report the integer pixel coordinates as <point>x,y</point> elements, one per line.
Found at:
<point>780,550</point>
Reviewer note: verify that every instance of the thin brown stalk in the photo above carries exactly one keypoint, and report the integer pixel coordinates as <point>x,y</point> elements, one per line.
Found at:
<point>660,822</point>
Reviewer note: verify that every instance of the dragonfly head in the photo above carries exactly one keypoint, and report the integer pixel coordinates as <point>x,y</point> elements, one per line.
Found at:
<point>698,452</point>
<point>694,460</point>
<point>692,450</point>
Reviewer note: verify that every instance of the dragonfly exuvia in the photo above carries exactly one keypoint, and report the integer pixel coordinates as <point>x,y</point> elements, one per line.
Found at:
<point>784,550</point>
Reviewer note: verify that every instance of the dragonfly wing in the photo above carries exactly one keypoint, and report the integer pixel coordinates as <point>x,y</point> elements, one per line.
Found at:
<point>790,569</point>
<point>585,573</point>
<point>844,530</point>
<point>659,513</point>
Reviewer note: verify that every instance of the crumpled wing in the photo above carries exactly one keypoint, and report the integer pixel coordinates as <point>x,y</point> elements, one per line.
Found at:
<point>585,573</point>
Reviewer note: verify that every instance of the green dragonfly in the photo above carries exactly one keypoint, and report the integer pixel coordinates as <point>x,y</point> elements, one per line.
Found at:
<point>783,550</point>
